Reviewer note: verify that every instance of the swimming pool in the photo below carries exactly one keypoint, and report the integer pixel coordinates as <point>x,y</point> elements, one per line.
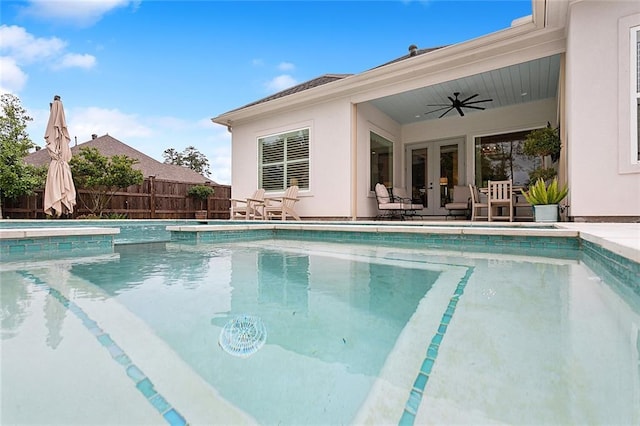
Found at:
<point>357,333</point>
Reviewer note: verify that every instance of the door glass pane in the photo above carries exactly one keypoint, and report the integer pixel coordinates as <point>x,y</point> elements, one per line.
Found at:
<point>448,172</point>
<point>381,151</point>
<point>419,175</point>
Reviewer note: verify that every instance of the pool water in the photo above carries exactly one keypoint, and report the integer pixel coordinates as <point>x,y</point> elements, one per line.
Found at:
<point>531,339</point>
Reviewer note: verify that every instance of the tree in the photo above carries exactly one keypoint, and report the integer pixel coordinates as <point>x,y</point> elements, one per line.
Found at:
<point>17,178</point>
<point>190,157</point>
<point>103,176</point>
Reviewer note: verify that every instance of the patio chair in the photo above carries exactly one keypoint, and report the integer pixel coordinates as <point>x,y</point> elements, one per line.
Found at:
<point>476,204</point>
<point>387,207</point>
<point>249,208</point>
<point>281,207</point>
<point>460,203</point>
<point>399,195</point>
<point>522,210</point>
<point>500,199</point>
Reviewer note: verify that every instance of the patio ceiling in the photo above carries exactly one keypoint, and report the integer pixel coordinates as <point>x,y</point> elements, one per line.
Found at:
<point>516,84</point>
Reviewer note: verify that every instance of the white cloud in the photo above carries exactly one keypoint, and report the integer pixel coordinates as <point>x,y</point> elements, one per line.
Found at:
<point>19,49</point>
<point>286,66</point>
<point>85,122</point>
<point>24,48</point>
<point>12,78</point>
<point>82,13</point>
<point>74,60</point>
<point>280,82</point>
<point>257,62</point>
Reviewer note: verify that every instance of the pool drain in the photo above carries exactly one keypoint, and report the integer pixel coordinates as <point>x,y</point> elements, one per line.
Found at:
<point>243,336</point>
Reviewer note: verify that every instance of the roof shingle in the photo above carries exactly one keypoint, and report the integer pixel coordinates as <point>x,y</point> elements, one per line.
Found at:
<point>110,146</point>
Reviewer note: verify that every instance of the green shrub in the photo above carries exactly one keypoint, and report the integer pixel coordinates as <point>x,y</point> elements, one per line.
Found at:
<point>201,192</point>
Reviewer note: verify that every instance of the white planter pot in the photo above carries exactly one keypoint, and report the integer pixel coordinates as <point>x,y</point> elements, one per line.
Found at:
<point>546,213</point>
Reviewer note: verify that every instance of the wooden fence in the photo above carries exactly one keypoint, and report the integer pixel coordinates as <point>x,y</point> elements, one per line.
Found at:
<point>154,199</point>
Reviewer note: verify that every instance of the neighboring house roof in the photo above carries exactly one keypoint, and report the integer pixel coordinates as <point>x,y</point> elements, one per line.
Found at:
<point>110,146</point>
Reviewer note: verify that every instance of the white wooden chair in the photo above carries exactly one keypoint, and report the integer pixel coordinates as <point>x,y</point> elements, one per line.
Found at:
<point>476,204</point>
<point>281,207</point>
<point>500,198</point>
<point>249,208</point>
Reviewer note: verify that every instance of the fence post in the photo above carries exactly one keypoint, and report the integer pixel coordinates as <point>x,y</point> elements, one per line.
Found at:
<point>152,201</point>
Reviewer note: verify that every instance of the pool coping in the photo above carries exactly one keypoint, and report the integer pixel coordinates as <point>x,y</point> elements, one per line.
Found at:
<point>599,234</point>
<point>17,233</point>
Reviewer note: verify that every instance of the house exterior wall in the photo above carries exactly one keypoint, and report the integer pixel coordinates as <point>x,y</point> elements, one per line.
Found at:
<point>597,187</point>
<point>329,152</point>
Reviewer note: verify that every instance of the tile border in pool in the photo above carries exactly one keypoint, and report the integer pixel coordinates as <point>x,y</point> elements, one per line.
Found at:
<point>416,393</point>
<point>31,241</point>
<point>142,383</point>
<point>435,237</point>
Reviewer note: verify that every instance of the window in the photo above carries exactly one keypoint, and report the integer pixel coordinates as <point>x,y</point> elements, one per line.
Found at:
<point>284,160</point>
<point>381,161</point>
<point>500,157</point>
<point>629,94</point>
<point>635,93</point>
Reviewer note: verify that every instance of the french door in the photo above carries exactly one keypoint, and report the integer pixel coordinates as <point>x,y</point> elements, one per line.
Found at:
<point>433,169</point>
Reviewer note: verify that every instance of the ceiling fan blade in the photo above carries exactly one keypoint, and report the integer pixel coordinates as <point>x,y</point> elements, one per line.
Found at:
<point>440,105</point>
<point>446,112</point>
<point>460,111</point>
<point>469,98</point>
<point>439,109</point>
<point>476,102</point>
<point>474,107</point>
<point>451,99</point>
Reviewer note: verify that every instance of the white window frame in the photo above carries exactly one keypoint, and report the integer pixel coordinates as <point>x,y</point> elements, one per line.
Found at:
<point>387,138</point>
<point>629,93</point>
<point>287,181</point>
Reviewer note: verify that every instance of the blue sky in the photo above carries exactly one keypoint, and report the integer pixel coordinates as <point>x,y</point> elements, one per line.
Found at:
<point>153,73</point>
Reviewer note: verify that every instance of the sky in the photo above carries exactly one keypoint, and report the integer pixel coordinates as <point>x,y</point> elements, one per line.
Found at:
<point>152,73</point>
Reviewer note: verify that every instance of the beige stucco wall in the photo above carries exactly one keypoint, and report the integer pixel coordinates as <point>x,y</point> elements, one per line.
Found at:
<point>330,158</point>
<point>597,188</point>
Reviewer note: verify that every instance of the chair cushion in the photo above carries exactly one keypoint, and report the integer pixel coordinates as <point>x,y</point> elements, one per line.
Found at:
<point>392,206</point>
<point>382,194</point>
<point>456,206</point>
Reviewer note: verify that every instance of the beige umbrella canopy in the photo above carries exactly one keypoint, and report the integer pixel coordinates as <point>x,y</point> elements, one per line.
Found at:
<point>59,192</point>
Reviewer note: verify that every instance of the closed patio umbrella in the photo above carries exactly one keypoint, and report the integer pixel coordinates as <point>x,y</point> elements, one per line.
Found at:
<point>59,191</point>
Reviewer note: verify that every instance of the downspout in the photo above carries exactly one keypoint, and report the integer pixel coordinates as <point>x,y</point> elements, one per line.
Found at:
<point>563,163</point>
<point>354,162</point>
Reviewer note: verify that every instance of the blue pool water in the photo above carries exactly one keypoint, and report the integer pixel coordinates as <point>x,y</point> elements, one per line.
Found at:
<point>375,333</point>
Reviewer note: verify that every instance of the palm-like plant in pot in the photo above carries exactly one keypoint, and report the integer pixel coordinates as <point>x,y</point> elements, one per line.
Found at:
<point>545,199</point>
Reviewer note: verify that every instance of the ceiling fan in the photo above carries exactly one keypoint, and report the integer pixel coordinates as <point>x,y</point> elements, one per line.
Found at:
<point>458,104</point>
